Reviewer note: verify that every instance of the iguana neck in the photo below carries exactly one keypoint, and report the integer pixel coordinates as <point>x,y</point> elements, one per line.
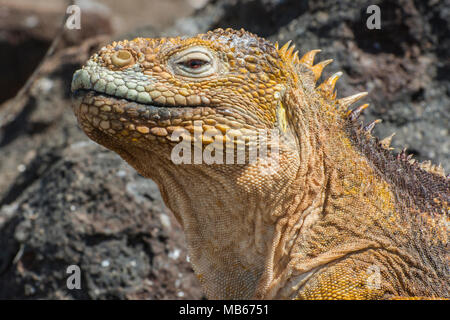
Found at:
<point>229,217</point>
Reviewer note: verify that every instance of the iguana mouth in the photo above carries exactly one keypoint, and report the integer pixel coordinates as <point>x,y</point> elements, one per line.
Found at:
<point>126,119</point>
<point>133,103</point>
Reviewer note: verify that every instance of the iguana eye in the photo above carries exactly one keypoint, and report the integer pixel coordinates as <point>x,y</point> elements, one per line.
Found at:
<point>193,62</point>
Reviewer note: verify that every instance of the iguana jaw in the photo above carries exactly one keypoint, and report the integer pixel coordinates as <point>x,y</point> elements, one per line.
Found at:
<point>130,122</point>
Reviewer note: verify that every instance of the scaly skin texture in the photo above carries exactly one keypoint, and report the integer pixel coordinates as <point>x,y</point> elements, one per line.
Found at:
<point>340,218</point>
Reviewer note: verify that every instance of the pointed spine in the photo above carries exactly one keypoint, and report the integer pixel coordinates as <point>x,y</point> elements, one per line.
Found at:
<point>283,49</point>
<point>344,103</point>
<point>355,113</point>
<point>368,128</point>
<point>386,142</point>
<point>327,87</point>
<point>402,155</point>
<point>318,68</point>
<point>295,59</point>
<point>290,51</point>
<point>308,58</point>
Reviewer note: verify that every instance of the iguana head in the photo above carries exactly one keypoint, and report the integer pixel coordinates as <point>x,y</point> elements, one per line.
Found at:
<point>139,92</point>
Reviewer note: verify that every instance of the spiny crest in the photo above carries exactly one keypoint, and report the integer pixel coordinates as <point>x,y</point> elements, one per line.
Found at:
<point>346,102</point>
<point>403,156</point>
<point>429,167</point>
<point>355,113</point>
<point>327,88</point>
<point>425,165</point>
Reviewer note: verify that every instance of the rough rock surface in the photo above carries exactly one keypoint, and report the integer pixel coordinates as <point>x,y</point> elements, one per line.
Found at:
<point>28,28</point>
<point>92,210</point>
<point>65,200</point>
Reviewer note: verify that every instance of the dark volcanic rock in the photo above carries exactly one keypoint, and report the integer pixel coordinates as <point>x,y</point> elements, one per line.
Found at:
<point>92,210</point>
<point>27,30</point>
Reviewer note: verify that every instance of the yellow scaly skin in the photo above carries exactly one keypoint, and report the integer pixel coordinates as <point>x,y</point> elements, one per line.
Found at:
<point>340,218</point>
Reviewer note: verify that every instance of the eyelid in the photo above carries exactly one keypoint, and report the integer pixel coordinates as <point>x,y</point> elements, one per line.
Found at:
<point>196,55</point>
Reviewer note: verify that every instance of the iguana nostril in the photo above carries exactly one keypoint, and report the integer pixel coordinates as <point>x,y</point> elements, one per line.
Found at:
<point>121,58</point>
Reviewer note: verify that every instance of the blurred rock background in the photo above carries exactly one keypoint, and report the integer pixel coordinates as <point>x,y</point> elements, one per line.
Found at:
<point>65,200</point>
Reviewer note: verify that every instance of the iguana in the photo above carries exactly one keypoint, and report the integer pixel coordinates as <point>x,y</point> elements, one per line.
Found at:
<point>340,216</point>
